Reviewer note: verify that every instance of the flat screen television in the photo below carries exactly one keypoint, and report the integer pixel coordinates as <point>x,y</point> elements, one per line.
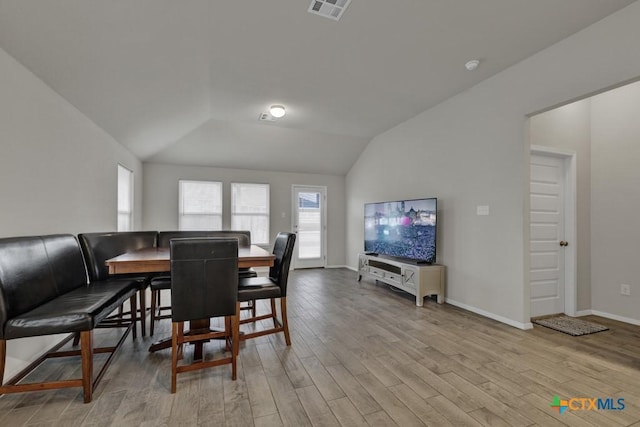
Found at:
<point>402,229</point>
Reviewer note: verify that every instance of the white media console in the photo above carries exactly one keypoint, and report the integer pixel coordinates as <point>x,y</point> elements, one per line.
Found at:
<point>416,279</point>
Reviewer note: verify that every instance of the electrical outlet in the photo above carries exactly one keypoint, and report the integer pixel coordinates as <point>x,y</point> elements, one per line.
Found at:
<point>625,290</point>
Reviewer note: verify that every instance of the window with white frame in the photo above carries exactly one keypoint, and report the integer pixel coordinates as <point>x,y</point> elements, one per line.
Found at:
<point>200,205</point>
<point>125,199</point>
<point>250,210</point>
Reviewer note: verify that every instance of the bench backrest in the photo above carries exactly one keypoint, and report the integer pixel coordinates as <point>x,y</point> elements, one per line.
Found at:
<point>37,269</point>
<point>99,247</point>
<point>244,237</point>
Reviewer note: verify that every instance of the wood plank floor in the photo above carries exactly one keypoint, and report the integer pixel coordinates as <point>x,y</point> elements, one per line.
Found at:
<point>362,354</point>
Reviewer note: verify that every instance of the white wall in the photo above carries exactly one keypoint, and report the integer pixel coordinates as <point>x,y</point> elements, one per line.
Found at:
<point>604,131</point>
<point>58,173</point>
<point>473,150</point>
<point>160,202</point>
<point>569,127</point>
<point>615,201</point>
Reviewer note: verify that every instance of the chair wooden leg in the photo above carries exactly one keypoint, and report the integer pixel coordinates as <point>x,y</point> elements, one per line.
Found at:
<point>285,323</point>
<point>76,339</point>
<point>3,358</point>
<point>253,308</point>
<point>181,341</point>
<point>235,341</point>
<point>228,332</point>
<point>174,354</point>
<point>274,314</point>
<point>143,311</point>
<point>152,318</point>
<point>86,354</point>
<point>134,309</point>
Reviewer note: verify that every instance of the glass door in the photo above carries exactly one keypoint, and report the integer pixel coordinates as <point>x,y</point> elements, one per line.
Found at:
<point>309,223</point>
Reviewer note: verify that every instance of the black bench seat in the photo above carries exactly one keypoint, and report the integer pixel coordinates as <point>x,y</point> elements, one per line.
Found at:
<point>44,290</point>
<point>80,310</point>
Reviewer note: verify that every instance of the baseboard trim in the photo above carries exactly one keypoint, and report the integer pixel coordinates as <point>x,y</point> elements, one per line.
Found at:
<point>581,313</point>
<point>616,317</point>
<point>350,268</point>
<point>501,319</point>
<point>340,266</point>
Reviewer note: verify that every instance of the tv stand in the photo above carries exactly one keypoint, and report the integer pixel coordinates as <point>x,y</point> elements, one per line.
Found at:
<point>415,278</point>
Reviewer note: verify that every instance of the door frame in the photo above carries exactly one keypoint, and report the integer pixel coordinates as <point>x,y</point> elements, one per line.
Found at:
<point>323,213</point>
<point>570,223</point>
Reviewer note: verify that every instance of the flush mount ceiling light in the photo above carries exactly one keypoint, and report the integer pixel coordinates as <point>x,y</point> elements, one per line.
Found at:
<point>472,65</point>
<point>332,9</point>
<point>277,111</point>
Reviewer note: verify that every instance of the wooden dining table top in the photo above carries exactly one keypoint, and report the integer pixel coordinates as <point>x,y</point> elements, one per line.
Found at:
<point>157,260</point>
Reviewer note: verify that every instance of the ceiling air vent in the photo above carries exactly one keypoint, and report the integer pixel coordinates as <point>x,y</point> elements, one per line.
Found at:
<point>332,9</point>
<point>266,117</point>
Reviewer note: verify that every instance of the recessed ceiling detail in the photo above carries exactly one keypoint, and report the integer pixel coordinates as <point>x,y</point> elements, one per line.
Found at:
<point>332,9</point>
<point>183,82</point>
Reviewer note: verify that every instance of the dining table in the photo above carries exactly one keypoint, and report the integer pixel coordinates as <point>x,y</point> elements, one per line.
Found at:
<point>158,260</point>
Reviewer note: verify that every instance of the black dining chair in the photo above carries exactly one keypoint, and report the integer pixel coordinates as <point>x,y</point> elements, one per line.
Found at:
<point>163,282</point>
<point>204,284</point>
<point>271,287</point>
<point>99,247</point>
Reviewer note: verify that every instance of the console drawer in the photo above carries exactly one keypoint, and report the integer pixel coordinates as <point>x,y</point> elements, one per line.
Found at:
<point>376,272</point>
<point>392,277</point>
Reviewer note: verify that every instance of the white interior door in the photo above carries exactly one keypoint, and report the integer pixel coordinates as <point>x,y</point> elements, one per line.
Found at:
<point>309,223</point>
<point>547,275</point>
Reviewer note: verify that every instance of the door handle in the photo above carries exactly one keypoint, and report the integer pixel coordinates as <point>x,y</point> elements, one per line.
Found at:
<point>564,243</point>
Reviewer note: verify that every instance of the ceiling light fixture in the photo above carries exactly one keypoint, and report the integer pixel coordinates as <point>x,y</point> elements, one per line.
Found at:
<point>472,65</point>
<point>277,111</point>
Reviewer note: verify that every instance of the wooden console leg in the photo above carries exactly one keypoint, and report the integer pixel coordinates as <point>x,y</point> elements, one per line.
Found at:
<point>3,358</point>
<point>86,354</point>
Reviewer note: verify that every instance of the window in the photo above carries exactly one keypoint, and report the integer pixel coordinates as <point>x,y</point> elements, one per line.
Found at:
<point>125,199</point>
<point>250,210</point>
<point>200,205</point>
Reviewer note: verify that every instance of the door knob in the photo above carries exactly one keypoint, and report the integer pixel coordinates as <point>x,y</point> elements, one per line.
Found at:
<point>564,243</point>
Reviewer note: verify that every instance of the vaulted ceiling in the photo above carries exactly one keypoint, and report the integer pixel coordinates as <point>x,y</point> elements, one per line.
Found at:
<point>185,81</point>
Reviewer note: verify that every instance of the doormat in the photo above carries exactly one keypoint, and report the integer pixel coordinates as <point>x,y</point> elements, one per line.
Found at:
<point>570,325</point>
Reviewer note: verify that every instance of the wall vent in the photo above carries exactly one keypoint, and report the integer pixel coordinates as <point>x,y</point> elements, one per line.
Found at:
<point>332,9</point>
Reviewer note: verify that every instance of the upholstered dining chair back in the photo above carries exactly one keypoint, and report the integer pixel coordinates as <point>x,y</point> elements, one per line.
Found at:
<point>283,250</point>
<point>243,236</point>
<point>204,278</point>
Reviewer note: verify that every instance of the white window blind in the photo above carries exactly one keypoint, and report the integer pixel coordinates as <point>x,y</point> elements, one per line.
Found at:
<point>125,199</point>
<point>200,205</point>
<point>250,210</point>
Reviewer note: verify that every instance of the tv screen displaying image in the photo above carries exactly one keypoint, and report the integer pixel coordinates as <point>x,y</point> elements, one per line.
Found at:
<point>403,229</point>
